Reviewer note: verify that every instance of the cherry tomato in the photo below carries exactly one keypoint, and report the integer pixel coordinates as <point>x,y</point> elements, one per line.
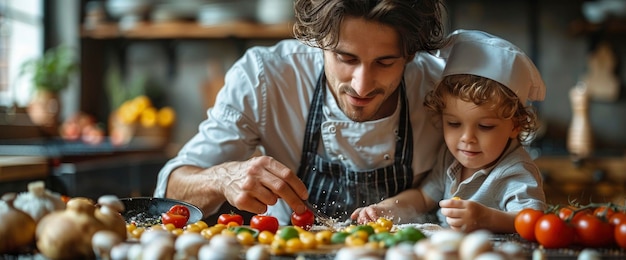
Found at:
<point>570,213</point>
<point>179,221</point>
<point>552,232</point>
<point>604,212</point>
<point>525,223</point>
<point>179,210</point>
<point>177,215</point>
<point>592,231</point>
<point>262,222</point>
<point>230,217</point>
<point>617,218</point>
<point>620,235</point>
<point>304,220</point>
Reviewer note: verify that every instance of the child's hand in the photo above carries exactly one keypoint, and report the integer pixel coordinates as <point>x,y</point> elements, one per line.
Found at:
<point>370,213</point>
<point>463,215</point>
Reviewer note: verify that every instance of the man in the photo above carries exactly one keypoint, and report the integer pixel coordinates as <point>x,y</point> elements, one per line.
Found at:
<point>338,114</point>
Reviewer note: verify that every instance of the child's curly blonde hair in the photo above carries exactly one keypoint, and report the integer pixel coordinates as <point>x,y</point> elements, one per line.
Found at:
<point>484,92</point>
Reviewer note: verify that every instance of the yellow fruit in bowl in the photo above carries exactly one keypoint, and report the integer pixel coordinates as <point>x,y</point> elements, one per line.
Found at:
<point>148,117</point>
<point>166,116</point>
<point>128,113</point>
<point>141,103</point>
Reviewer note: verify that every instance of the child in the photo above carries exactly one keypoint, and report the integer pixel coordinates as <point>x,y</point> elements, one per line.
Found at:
<point>483,176</point>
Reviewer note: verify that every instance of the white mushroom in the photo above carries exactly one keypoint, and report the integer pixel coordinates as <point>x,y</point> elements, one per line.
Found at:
<point>120,251</point>
<point>38,201</point>
<point>402,251</point>
<point>151,235</point>
<point>447,240</point>
<point>589,254</point>
<point>351,253</point>
<point>135,252</point>
<point>511,250</point>
<point>17,228</point>
<point>474,244</point>
<point>220,247</point>
<point>491,255</point>
<point>109,213</point>
<point>103,241</point>
<point>112,201</point>
<point>67,233</point>
<point>421,247</point>
<point>187,245</point>
<point>161,248</point>
<point>258,252</point>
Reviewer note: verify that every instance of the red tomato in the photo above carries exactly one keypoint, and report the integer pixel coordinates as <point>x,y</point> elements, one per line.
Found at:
<point>617,218</point>
<point>179,210</point>
<point>552,232</point>
<point>620,235</point>
<point>304,220</point>
<point>592,231</point>
<point>232,217</point>
<point>566,213</point>
<point>262,223</point>
<point>525,223</point>
<point>179,221</point>
<point>604,212</point>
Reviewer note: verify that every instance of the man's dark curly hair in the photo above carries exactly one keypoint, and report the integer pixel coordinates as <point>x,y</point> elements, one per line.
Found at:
<point>418,22</point>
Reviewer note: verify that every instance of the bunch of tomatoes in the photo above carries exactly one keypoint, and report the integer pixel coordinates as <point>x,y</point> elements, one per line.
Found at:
<point>592,225</point>
<point>305,220</point>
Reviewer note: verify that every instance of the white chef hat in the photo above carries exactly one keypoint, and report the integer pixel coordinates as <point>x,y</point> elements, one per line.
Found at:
<point>482,54</point>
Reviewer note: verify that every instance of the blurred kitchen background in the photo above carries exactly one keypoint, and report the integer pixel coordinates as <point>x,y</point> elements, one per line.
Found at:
<point>147,70</point>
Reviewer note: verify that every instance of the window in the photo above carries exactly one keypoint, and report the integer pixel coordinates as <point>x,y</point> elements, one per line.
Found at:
<point>21,38</point>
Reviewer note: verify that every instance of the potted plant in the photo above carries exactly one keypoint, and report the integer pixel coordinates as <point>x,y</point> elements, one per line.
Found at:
<point>49,75</point>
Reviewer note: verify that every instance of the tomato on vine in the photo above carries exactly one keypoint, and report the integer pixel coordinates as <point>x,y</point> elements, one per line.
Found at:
<point>620,235</point>
<point>593,231</point>
<point>604,212</point>
<point>525,223</point>
<point>553,232</point>
<point>617,218</point>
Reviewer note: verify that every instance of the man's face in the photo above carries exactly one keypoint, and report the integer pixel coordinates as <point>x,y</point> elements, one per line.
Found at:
<point>365,69</point>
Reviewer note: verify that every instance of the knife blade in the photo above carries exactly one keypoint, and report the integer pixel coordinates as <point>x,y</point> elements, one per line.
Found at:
<point>320,216</point>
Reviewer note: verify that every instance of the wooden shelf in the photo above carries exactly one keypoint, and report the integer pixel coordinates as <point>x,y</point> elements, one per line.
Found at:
<point>582,27</point>
<point>190,30</point>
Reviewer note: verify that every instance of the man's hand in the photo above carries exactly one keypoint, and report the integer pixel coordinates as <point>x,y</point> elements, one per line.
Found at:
<point>249,185</point>
<point>261,181</point>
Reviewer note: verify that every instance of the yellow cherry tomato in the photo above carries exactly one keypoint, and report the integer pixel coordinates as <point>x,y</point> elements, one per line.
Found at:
<point>323,237</point>
<point>201,224</point>
<point>278,246</point>
<point>177,231</point>
<point>293,245</point>
<point>265,237</point>
<point>355,240</point>
<point>308,240</point>
<point>245,238</point>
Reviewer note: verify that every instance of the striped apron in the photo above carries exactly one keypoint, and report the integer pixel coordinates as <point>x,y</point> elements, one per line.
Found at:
<point>338,190</point>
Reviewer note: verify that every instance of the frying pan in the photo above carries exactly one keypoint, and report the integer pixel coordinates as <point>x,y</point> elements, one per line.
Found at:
<point>152,208</point>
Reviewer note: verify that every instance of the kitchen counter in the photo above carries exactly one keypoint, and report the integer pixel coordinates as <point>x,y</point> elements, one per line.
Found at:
<point>498,239</point>
<point>75,168</point>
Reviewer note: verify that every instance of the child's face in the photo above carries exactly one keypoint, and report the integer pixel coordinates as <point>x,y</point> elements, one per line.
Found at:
<point>475,135</point>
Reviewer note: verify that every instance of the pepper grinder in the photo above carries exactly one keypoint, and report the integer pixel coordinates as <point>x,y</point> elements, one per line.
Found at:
<point>580,140</point>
